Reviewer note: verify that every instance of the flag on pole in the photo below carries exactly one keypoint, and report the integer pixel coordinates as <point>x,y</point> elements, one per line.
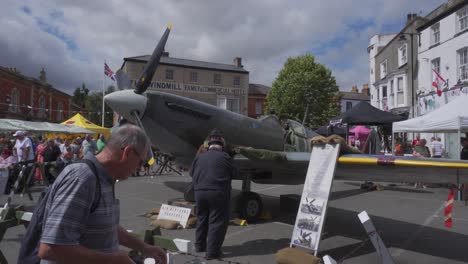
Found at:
<point>448,209</point>
<point>439,83</point>
<point>108,71</point>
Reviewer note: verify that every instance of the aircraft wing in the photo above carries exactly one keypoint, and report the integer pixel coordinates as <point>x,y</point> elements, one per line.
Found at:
<point>277,167</point>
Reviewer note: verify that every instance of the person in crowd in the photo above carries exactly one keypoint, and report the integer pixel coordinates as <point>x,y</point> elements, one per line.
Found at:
<point>23,147</point>
<point>50,153</point>
<point>464,151</point>
<point>88,145</point>
<point>66,156</point>
<point>70,231</point>
<point>76,148</point>
<point>212,172</point>
<point>399,150</point>
<point>421,150</point>
<point>416,141</point>
<point>101,143</point>
<point>7,159</point>
<point>40,159</point>
<point>437,147</point>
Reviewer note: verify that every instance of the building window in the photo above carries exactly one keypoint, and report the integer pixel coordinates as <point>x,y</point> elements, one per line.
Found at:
<point>258,107</point>
<point>384,91</point>
<point>435,34</point>
<point>400,98</point>
<point>60,112</point>
<point>391,87</point>
<point>402,55</point>
<point>14,104</point>
<point>231,104</point>
<point>383,69</point>
<point>217,79</point>
<point>349,105</point>
<point>169,74</point>
<point>42,107</point>
<point>462,19</point>
<point>463,64</point>
<point>194,76</point>
<point>435,66</point>
<point>236,81</point>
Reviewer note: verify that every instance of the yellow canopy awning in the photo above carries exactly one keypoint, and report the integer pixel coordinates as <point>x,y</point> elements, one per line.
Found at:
<point>81,121</point>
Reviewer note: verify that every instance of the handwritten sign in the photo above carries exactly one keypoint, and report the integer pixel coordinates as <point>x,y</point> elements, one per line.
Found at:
<point>174,213</point>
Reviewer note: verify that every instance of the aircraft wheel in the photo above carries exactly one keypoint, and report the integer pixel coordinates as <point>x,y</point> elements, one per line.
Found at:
<point>249,206</point>
<point>189,194</point>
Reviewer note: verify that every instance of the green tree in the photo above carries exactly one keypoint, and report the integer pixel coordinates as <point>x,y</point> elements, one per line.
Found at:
<point>93,106</point>
<point>80,95</point>
<point>303,82</point>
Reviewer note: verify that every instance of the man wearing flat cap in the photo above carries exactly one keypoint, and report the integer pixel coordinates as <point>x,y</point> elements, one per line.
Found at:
<point>212,172</point>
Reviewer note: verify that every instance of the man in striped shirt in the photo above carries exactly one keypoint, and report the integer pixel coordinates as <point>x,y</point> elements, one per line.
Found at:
<point>72,232</point>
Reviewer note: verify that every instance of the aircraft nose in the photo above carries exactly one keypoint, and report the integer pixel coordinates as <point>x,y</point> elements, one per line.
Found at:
<point>125,102</point>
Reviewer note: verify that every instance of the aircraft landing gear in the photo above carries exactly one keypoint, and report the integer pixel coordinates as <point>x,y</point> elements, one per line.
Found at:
<point>249,204</point>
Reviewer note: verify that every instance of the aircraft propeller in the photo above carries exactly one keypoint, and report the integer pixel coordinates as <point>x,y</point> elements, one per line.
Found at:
<point>150,67</point>
<point>132,105</point>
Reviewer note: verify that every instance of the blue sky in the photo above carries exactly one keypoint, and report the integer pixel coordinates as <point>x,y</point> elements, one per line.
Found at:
<point>72,39</point>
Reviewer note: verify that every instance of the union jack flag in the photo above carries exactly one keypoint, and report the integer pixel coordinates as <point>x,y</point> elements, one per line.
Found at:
<point>108,71</point>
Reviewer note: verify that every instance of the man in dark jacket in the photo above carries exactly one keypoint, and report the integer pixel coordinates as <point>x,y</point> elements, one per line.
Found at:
<point>51,153</point>
<point>212,172</point>
<point>464,151</point>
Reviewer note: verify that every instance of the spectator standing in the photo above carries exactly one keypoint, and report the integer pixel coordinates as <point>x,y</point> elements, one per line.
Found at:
<point>421,150</point>
<point>464,151</point>
<point>101,143</point>
<point>70,230</point>
<point>88,145</point>
<point>438,149</point>
<point>23,147</point>
<point>51,153</point>
<point>212,172</point>
<point>40,159</point>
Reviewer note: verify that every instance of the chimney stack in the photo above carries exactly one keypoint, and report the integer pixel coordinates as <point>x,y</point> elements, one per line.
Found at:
<point>365,89</point>
<point>410,17</point>
<point>354,89</point>
<point>238,62</point>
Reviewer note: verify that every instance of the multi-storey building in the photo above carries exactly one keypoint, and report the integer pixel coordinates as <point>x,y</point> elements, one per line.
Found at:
<point>395,71</point>
<point>443,56</point>
<point>222,85</point>
<point>26,98</point>
<point>257,99</point>
<point>377,42</point>
<point>349,99</point>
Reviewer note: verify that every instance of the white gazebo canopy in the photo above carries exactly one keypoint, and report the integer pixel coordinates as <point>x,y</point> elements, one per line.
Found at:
<point>452,117</point>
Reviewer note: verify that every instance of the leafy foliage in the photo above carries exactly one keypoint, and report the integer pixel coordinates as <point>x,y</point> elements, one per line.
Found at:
<point>303,82</point>
<point>92,104</point>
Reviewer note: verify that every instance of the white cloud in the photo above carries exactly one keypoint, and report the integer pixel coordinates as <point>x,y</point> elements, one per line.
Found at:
<point>264,33</point>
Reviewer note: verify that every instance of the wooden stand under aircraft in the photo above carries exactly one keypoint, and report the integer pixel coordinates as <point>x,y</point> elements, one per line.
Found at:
<point>179,125</point>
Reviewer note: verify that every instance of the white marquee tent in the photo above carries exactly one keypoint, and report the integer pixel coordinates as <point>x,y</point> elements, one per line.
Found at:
<point>449,118</point>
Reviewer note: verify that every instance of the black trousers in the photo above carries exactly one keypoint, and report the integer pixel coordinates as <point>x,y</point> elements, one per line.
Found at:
<point>212,220</point>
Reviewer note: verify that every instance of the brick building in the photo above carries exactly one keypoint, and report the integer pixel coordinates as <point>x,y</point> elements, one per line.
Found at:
<point>257,99</point>
<point>27,98</point>
<point>222,85</point>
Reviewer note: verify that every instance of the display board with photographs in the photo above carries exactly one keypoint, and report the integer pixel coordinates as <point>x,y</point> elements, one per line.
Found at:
<point>317,187</point>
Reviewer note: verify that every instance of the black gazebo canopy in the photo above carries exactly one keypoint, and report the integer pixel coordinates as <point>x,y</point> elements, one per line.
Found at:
<point>365,114</point>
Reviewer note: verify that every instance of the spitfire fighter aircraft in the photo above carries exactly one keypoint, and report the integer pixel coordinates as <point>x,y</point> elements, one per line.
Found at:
<point>178,126</point>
